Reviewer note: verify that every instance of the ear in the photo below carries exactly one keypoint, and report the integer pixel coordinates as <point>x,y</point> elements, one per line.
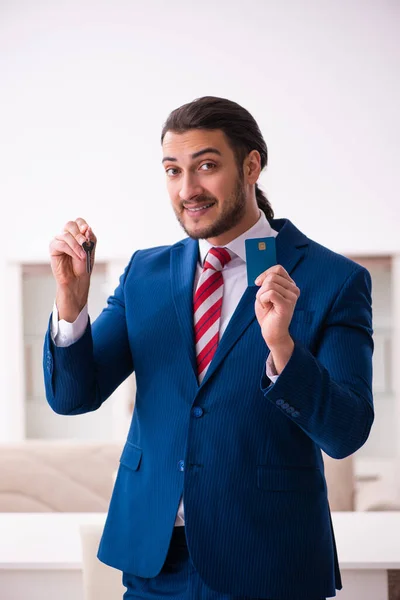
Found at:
<point>252,167</point>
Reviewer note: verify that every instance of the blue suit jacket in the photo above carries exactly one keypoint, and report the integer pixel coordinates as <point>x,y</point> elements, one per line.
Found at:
<point>245,454</point>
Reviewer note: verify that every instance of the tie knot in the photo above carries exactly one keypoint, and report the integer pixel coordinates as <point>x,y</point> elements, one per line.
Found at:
<point>217,259</point>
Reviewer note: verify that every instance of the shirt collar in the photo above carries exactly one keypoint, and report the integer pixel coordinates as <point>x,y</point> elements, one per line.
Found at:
<point>261,229</point>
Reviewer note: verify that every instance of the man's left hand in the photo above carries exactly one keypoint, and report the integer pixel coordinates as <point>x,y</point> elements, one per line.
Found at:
<point>275,303</point>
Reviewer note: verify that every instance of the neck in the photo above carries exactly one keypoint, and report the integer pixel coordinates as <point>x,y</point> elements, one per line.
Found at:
<point>244,225</point>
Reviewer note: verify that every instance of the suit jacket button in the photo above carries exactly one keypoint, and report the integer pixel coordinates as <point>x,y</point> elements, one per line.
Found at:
<point>279,402</point>
<point>197,412</point>
<point>181,465</point>
<point>285,405</point>
<point>295,413</point>
<point>290,409</point>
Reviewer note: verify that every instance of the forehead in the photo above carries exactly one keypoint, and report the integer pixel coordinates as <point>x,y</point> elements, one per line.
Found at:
<point>183,145</point>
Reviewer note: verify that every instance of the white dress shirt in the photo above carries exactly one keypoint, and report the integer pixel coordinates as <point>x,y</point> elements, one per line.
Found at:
<point>235,283</point>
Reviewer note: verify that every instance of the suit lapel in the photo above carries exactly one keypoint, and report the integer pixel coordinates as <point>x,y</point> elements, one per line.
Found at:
<point>240,320</point>
<point>291,246</point>
<point>184,257</point>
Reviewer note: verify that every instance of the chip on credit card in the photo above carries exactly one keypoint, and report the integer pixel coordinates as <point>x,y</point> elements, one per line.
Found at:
<point>260,256</point>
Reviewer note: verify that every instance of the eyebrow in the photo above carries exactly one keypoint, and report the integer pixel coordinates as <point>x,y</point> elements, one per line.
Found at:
<point>208,150</point>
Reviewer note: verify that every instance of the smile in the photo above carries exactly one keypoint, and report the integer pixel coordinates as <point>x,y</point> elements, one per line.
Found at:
<point>200,208</point>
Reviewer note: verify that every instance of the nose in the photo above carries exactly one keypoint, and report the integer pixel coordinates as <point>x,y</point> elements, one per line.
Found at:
<point>190,187</point>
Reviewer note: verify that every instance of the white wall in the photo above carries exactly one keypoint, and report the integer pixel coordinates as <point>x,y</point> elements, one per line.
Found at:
<point>85,86</point>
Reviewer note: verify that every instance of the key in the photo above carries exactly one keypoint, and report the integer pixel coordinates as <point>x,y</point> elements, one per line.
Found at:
<point>88,248</point>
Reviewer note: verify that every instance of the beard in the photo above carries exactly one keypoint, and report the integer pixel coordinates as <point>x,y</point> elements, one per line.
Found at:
<point>232,213</point>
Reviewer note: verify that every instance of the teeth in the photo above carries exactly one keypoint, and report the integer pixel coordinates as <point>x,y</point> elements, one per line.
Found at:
<point>201,208</point>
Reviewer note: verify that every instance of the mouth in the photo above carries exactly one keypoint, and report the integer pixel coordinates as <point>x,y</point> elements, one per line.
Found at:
<point>199,210</point>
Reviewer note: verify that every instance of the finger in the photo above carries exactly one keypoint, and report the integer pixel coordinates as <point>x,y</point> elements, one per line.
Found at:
<point>273,297</point>
<point>90,235</point>
<point>281,295</point>
<point>287,293</point>
<point>60,247</point>
<point>82,224</point>
<point>73,228</point>
<point>277,269</point>
<point>71,241</point>
<point>277,278</point>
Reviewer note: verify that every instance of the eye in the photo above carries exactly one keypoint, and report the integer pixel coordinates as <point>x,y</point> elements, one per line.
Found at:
<point>171,171</point>
<point>209,166</point>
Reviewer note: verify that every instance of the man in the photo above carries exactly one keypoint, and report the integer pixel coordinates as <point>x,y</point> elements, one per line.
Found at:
<point>220,493</point>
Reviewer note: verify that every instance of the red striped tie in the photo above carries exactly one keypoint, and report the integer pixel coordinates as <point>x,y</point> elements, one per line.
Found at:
<point>207,308</point>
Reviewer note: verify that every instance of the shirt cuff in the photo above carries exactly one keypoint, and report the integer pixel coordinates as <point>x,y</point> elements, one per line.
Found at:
<point>270,369</point>
<point>65,334</point>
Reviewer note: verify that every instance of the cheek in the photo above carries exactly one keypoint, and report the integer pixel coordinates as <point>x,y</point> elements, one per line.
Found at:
<point>214,189</point>
<point>221,188</point>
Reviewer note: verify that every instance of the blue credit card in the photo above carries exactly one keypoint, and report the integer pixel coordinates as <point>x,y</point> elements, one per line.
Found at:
<point>260,256</point>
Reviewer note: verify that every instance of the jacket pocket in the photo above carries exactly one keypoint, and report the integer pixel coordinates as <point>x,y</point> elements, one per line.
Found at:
<point>131,456</point>
<point>290,480</point>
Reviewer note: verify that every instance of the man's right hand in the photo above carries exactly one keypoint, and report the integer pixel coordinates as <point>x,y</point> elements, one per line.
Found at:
<point>68,263</point>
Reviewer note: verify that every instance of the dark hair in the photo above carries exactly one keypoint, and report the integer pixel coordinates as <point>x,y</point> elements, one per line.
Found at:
<point>236,122</point>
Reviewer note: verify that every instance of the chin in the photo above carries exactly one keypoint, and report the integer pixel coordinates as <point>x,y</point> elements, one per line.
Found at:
<point>197,234</point>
